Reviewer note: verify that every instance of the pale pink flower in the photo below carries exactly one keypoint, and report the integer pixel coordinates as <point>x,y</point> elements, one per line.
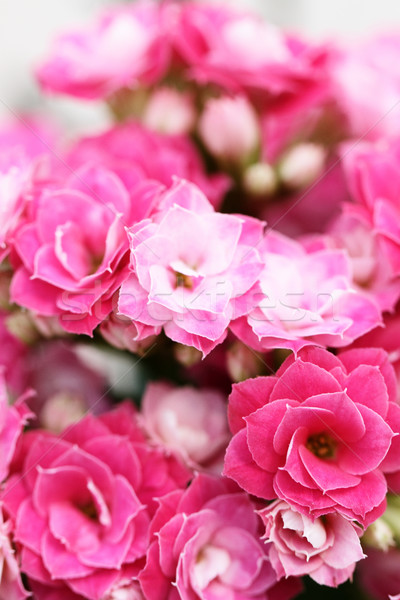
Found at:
<point>82,503</point>
<point>125,48</point>
<point>326,549</point>
<point>191,271</point>
<point>188,421</point>
<point>307,298</point>
<point>317,435</point>
<point>229,129</point>
<point>217,551</point>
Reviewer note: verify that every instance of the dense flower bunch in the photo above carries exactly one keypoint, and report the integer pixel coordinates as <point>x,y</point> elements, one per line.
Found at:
<point>199,317</point>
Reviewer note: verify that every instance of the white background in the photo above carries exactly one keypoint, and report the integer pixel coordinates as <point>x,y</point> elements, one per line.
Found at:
<point>28,26</point>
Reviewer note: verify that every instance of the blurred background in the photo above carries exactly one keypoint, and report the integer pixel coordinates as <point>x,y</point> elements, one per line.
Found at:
<point>27,28</point>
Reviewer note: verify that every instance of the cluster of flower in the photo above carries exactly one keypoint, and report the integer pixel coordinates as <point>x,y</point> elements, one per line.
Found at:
<point>238,230</point>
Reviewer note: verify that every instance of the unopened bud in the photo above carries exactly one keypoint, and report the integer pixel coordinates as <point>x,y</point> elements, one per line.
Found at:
<point>21,326</point>
<point>61,411</point>
<point>379,535</point>
<point>170,111</point>
<point>186,355</point>
<point>229,129</point>
<point>302,165</point>
<point>260,180</point>
<point>242,362</point>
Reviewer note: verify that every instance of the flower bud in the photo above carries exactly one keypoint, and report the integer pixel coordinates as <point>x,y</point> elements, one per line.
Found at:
<point>301,165</point>
<point>260,180</point>
<point>242,362</point>
<point>170,111</point>
<point>229,129</point>
<point>62,410</point>
<point>379,535</point>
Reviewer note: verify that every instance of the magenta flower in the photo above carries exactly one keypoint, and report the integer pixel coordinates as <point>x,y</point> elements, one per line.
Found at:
<point>317,435</point>
<point>306,299</point>
<point>82,503</point>
<point>326,549</point>
<point>11,586</point>
<point>193,270</point>
<point>217,550</point>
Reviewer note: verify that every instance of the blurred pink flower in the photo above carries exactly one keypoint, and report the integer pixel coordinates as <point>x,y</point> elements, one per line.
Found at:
<point>125,48</point>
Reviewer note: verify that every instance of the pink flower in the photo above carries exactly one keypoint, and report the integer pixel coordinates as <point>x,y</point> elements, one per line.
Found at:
<point>191,285</point>
<point>217,44</point>
<point>372,172</point>
<point>188,421</point>
<point>135,154</point>
<point>307,298</point>
<point>11,586</point>
<point>366,85</point>
<point>71,255</point>
<point>316,435</point>
<point>326,549</point>
<point>217,551</point>
<point>125,48</point>
<point>229,129</point>
<point>82,502</point>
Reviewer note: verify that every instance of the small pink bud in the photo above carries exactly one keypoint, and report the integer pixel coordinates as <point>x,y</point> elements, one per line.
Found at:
<point>61,410</point>
<point>301,165</point>
<point>170,111</point>
<point>229,129</point>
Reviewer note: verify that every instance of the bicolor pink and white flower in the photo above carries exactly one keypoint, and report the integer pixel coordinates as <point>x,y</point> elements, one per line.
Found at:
<point>318,435</point>
<point>327,548</point>
<point>192,271</point>
<point>217,552</point>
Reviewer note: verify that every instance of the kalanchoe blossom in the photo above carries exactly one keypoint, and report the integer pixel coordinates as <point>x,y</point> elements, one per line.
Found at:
<point>11,586</point>
<point>365,84</point>
<point>217,45</point>
<point>306,299</point>
<point>318,434</point>
<point>135,154</point>
<point>71,254</point>
<point>326,548</point>
<point>82,503</point>
<point>124,49</point>
<point>191,272</point>
<point>190,422</point>
<point>217,551</point>
<point>373,177</point>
